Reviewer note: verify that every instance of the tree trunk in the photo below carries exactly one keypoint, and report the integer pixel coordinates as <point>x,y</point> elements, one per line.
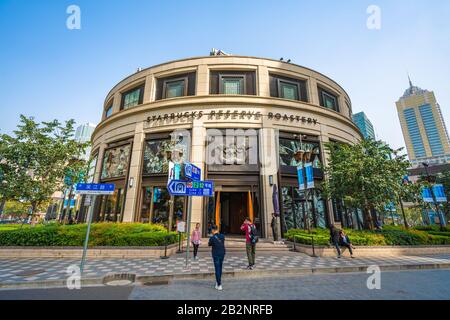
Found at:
<point>368,223</point>
<point>2,206</point>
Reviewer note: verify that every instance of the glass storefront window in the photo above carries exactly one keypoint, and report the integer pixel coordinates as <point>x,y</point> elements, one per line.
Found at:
<point>111,206</point>
<point>233,85</point>
<point>296,208</point>
<point>158,152</point>
<point>146,205</point>
<point>289,152</point>
<point>115,162</point>
<point>161,206</point>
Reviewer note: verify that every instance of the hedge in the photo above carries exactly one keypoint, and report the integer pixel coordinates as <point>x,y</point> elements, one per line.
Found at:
<point>102,234</point>
<point>390,236</point>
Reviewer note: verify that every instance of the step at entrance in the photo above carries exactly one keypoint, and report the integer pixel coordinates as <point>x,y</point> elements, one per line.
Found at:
<point>238,245</point>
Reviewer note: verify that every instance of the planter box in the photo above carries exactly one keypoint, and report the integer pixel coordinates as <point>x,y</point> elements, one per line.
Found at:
<point>77,252</point>
<point>375,251</point>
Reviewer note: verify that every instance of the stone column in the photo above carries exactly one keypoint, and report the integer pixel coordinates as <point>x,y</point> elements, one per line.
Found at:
<point>269,167</point>
<point>197,154</point>
<point>116,102</point>
<point>313,92</point>
<point>324,138</point>
<point>202,85</point>
<point>263,82</point>
<point>135,174</point>
<point>149,90</point>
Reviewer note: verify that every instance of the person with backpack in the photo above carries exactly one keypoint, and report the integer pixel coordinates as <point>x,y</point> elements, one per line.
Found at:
<point>217,242</point>
<point>251,238</point>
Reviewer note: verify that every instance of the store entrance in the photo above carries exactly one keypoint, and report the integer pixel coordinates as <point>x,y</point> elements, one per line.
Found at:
<point>233,211</point>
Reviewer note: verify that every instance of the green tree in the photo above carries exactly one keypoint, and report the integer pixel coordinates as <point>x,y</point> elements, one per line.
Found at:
<point>444,179</point>
<point>37,157</point>
<point>367,175</point>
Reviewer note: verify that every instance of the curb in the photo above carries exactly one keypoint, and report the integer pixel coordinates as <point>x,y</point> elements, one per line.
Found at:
<point>167,279</point>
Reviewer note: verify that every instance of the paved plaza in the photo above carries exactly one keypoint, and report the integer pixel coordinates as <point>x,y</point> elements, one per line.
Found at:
<point>32,270</point>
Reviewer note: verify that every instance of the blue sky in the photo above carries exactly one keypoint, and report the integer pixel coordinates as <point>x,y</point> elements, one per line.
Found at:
<point>48,71</point>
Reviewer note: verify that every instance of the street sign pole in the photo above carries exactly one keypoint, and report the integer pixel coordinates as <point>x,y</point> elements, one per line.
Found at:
<point>189,216</point>
<point>91,213</point>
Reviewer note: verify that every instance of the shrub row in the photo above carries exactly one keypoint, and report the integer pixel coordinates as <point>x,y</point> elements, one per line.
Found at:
<point>102,234</point>
<point>396,236</point>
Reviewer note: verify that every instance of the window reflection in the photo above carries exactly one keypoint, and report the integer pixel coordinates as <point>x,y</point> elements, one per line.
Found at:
<point>161,206</point>
<point>115,162</point>
<point>302,213</point>
<point>158,153</point>
<point>289,149</point>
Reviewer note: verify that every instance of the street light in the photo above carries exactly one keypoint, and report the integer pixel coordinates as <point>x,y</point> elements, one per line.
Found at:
<point>430,180</point>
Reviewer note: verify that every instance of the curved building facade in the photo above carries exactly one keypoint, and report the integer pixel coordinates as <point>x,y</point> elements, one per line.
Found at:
<point>242,120</point>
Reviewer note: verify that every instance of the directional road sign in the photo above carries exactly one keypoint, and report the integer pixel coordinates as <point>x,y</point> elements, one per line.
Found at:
<point>191,188</point>
<point>95,188</point>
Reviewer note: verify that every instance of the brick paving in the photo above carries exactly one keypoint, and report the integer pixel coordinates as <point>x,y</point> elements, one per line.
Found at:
<point>29,270</point>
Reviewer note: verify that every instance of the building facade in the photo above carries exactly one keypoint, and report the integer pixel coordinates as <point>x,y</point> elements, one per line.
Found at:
<point>364,124</point>
<point>423,127</point>
<point>242,120</point>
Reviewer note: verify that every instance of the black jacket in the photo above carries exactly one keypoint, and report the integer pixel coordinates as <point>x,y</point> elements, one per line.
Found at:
<point>217,242</point>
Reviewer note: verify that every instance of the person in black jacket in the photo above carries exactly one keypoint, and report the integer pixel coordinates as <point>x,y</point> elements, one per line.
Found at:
<point>217,242</point>
<point>334,239</point>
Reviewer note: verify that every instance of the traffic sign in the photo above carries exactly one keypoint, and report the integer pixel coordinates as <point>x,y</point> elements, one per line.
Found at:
<point>191,188</point>
<point>192,172</point>
<point>95,188</point>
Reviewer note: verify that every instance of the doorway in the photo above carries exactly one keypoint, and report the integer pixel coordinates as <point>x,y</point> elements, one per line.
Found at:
<point>233,211</point>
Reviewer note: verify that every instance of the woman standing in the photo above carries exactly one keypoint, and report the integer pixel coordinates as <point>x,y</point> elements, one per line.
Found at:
<point>196,240</point>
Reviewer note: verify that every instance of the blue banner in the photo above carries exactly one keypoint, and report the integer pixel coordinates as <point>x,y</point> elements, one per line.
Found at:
<point>426,195</point>
<point>439,193</point>
<point>309,175</point>
<point>301,179</point>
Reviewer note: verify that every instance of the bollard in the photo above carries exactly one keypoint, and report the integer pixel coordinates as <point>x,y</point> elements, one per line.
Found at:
<point>295,248</point>
<point>165,248</point>
<point>179,243</point>
<point>313,247</point>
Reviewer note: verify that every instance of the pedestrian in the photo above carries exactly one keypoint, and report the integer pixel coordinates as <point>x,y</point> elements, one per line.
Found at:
<point>196,240</point>
<point>217,242</point>
<point>251,239</point>
<point>344,241</point>
<point>334,239</point>
<point>274,226</point>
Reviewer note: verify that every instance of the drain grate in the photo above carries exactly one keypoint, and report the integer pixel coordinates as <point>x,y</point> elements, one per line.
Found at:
<point>30,273</point>
<point>122,279</point>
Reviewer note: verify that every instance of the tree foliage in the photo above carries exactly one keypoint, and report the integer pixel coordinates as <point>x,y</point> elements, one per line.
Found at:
<point>36,158</point>
<point>365,175</point>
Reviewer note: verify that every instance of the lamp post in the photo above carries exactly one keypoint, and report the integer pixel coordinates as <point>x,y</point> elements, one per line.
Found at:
<point>429,178</point>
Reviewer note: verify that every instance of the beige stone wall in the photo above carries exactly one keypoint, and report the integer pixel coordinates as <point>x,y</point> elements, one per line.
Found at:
<point>132,123</point>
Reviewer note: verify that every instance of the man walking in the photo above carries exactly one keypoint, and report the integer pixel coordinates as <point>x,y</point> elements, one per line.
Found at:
<point>251,239</point>
<point>217,242</point>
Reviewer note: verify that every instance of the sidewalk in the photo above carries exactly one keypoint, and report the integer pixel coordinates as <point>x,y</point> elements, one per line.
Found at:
<point>53,272</point>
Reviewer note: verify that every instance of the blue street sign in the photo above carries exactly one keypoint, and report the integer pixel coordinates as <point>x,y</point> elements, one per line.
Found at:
<point>95,188</point>
<point>191,188</point>
<point>192,172</point>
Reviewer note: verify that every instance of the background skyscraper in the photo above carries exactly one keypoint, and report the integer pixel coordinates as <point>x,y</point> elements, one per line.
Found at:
<point>83,134</point>
<point>423,127</point>
<point>364,125</point>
